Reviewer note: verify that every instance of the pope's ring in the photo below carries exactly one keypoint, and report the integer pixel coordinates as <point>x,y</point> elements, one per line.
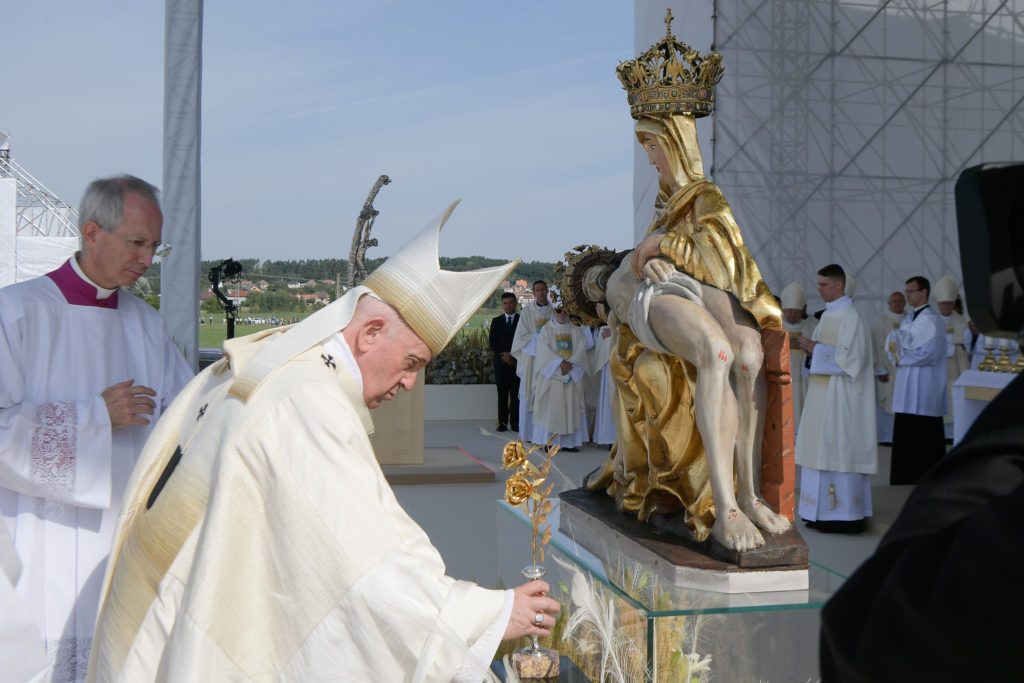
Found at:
<point>539,619</point>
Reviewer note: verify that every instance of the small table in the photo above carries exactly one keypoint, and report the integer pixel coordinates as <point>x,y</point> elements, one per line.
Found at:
<point>972,392</point>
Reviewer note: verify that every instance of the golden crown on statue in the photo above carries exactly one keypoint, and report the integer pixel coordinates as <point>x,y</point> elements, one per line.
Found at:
<point>671,78</point>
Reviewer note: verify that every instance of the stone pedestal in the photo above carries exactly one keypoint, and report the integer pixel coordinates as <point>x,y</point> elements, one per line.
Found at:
<point>398,428</point>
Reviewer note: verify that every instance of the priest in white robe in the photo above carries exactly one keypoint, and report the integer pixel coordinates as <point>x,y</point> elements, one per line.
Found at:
<point>559,408</point>
<point>918,349</point>
<point>259,539</point>
<point>87,369</point>
<point>524,348</point>
<point>836,447</point>
<point>798,324</point>
<point>885,370</point>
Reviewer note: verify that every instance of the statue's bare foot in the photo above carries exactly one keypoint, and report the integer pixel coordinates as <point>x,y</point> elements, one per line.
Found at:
<point>764,517</point>
<point>735,531</point>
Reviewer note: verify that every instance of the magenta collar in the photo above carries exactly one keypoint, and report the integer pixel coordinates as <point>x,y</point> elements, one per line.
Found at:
<point>77,291</point>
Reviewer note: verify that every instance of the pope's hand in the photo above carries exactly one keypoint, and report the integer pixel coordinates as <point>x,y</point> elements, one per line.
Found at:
<point>648,248</point>
<point>127,402</point>
<point>530,600</point>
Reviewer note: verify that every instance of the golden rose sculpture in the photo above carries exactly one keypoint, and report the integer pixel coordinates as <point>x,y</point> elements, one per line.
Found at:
<point>526,487</point>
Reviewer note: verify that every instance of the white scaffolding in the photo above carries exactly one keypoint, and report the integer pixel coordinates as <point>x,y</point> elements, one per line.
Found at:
<point>842,125</point>
<point>38,230</point>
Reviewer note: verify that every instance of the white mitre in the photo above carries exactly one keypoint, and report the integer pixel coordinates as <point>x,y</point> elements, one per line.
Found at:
<point>851,283</point>
<point>794,296</point>
<point>435,303</point>
<point>945,289</point>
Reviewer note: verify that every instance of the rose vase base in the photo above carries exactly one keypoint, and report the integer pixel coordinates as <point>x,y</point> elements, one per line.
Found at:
<point>531,666</point>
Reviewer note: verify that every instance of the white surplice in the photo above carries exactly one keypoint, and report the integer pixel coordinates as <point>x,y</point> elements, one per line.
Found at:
<point>62,469</point>
<point>524,350</point>
<point>837,440</point>
<point>276,551</point>
<point>918,349</point>
<point>558,404</point>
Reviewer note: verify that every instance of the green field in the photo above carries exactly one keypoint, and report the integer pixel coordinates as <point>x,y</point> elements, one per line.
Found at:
<point>212,336</point>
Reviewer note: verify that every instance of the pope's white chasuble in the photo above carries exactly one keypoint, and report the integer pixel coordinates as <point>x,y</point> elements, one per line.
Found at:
<point>260,541</point>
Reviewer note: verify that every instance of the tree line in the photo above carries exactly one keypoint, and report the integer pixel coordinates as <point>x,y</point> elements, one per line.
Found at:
<point>279,273</point>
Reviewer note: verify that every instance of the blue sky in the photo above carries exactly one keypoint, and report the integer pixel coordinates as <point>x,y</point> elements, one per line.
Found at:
<point>514,107</point>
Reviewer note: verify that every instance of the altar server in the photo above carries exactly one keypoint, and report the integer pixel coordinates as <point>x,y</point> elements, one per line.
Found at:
<point>259,539</point>
<point>918,349</point>
<point>836,447</point>
<point>796,321</point>
<point>86,370</point>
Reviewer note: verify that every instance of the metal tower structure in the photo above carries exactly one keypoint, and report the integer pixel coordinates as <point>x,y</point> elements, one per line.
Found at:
<point>841,127</point>
<point>39,211</point>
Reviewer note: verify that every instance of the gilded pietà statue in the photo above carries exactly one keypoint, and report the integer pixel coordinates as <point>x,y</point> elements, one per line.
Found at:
<point>688,306</point>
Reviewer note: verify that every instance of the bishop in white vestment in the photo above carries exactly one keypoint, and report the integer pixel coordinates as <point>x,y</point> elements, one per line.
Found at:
<point>65,340</point>
<point>797,323</point>
<point>524,348</point>
<point>884,367</point>
<point>836,447</point>
<point>259,539</point>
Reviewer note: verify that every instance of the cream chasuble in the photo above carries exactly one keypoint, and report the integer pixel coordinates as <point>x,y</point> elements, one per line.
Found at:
<point>62,469</point>
<point>558,403</point>
<point>276,551</point>
<point>524,349</point>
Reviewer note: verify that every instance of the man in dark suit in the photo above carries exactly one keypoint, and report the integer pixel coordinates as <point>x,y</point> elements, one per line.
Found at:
<point>503,329</point>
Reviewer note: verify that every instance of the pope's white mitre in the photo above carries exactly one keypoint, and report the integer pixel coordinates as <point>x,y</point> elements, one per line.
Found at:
<point>794,296</point>
<point>435,303</point>
<point>945,289</point>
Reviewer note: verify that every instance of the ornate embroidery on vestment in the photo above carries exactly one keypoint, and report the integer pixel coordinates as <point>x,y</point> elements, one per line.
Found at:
<point>69,658</point>
<point>202,411</point>
<point>328,360</point>
<point>52,452</point>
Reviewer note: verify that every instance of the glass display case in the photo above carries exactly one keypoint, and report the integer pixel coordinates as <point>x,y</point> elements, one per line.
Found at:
<point>621,621</point>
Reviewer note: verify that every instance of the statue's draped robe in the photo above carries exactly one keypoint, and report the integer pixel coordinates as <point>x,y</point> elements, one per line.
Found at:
<point>658,461</point>
<point>276,550</point>
<point>62,469</point>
